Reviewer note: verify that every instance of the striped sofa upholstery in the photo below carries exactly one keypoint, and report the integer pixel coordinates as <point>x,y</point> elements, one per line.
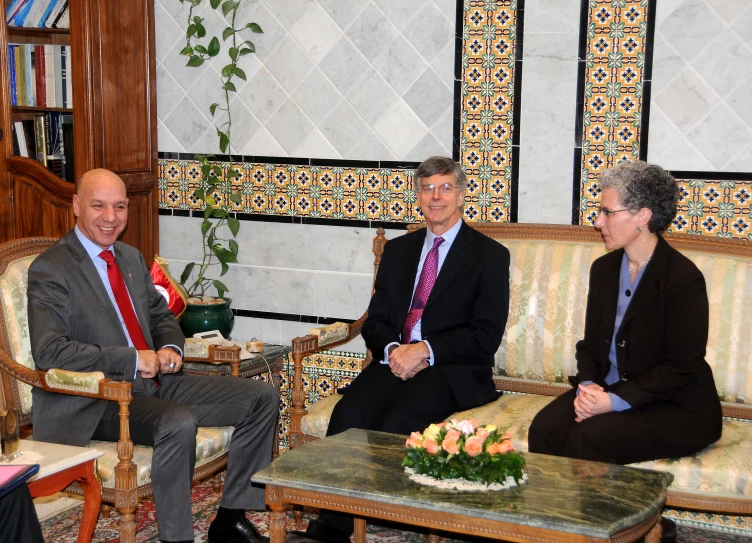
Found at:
<point>549,272</point>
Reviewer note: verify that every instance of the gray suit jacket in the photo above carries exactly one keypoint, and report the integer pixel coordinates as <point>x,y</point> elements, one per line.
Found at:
<point>73,325</point>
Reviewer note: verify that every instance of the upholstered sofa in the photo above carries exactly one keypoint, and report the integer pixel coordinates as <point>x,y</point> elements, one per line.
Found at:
<point>549,281</point>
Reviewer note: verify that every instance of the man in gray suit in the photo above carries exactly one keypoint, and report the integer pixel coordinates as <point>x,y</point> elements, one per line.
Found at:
<point>81,320</point>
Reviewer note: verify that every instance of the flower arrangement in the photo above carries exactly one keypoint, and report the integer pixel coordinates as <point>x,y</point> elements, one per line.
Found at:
<point>457,450</point>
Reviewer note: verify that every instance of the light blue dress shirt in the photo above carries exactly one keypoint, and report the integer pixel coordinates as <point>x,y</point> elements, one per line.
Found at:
<point>449,237</point>
<point>93,250</point>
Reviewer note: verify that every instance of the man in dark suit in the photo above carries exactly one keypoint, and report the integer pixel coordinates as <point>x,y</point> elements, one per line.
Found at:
<point>93,307</point>
<point>435,321</point>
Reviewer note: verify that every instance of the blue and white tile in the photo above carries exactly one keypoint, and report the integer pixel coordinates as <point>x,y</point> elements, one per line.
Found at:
<point>317,96</point>
<point>316,32</point>
<point>289,126</point>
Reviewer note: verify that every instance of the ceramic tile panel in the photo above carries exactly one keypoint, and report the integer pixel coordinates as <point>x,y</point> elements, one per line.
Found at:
<point>614,62</point>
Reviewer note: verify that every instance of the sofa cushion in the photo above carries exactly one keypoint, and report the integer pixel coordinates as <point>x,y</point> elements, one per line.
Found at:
<point>210,444</point>
<point>316,421</point>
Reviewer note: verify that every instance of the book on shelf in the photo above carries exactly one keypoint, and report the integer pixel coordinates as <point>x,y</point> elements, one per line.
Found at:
<point>63,20</point>
<point>12,69</point>
<point>31,98</point>
<point>40,139</point>
<point>28,132</point>
<point>20,77</point>
<point>35,13</point>
<point>55,14</point>
<point>49,75</point>
<point>17,12</point>
<point>69,78</point>
<point>40,75</point>
<point>17,141</point>
<point>68,153</point>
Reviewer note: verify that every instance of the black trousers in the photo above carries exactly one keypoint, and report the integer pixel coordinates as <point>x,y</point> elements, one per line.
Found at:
<point>377,400</point>
<point>618,437</point>
<point>18,518</point>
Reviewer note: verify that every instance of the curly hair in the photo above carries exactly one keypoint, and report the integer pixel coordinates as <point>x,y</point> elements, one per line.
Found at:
<point>639,185</point>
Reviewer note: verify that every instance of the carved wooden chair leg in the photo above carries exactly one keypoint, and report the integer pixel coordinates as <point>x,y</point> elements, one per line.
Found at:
<point>126,484</point>
<point>106,510</point>
<point>297,514</point>
<point>360,530</point>
<point>216,482</point>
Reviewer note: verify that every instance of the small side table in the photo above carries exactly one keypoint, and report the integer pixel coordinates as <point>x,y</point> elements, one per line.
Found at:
<point>59,466</point>
<point>274,356</point>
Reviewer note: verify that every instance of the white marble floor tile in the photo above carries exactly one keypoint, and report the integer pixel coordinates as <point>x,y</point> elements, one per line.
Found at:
<point>316,32</point>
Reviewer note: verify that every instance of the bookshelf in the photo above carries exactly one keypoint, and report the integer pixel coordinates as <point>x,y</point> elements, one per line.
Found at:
<point>112,114</point>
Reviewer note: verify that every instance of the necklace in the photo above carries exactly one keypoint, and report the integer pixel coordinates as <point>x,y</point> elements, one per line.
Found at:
<point>636,270</point>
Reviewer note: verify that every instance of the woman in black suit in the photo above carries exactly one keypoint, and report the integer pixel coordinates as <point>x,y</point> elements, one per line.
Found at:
<point>643,390</point>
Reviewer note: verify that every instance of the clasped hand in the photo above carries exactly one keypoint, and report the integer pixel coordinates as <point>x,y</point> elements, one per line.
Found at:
<point>165,360</point>
<point>592,400</point>
<point>407,360</point>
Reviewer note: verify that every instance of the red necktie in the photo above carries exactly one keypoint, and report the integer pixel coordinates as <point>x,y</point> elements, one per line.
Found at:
<point>124,304</point>
<point>423,290</point>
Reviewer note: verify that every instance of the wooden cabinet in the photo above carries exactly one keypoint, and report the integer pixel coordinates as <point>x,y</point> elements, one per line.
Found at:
<point>114,121</point>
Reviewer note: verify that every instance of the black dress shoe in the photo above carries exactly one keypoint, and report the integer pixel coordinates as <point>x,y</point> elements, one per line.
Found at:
<point>322,532</point>
<point>668,528</point>
<point>242,532</point>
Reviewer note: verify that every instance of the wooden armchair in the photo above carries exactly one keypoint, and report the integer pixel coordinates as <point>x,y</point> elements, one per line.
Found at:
<point>124,470</point>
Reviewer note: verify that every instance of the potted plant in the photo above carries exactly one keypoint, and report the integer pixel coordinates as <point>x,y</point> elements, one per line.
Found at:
<point>203,311</point>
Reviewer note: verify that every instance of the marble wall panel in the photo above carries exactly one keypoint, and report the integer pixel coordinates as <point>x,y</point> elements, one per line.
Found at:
<point>274,290</point>
<point>342,295</point>
<point>266,330</point>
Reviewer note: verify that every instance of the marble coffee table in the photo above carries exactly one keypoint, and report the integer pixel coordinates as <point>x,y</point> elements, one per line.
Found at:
<point>359,472</point>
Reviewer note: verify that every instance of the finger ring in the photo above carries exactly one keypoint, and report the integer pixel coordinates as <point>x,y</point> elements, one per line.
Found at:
<point>172,365</point>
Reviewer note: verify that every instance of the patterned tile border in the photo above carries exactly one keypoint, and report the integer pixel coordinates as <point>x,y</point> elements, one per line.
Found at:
<point>486,118</point>
<point>614,59</point>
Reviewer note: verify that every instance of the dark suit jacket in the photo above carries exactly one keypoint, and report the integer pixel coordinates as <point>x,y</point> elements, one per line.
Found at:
<point>464,317</point>
<point>73,325</point>
<point>660,344</point>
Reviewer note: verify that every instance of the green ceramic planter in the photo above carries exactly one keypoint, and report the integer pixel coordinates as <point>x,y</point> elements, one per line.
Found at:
<point>202,318</point>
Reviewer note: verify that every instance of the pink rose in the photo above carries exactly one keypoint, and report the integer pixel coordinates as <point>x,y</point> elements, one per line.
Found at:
<point>507,446</point>
<point>482,434</point>
<point>430,445</point>
<point>473,422</point>
<point>494,448</point>
<point>465,426</point>
<point>450,445</point>
<point>453,435</point>
<point>415,441</point>
<point>473,446</point>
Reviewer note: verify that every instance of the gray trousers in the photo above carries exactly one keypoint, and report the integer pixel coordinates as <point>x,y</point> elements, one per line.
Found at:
<point>169,421</point>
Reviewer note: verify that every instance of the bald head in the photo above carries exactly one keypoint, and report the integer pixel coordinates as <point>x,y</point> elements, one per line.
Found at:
<point>101,206</point>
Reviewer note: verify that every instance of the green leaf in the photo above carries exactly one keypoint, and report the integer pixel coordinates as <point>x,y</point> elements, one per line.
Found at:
<point>234,225</point>
<point>220,213</point>
<point>186,272</point>
<point>191,31</point>
<point>234,247</point>
<point>217,170</point>
<point>240,73</point>
<point>225,267</point>
<point>254,28</point>
<point>200,30</point>
<point>205,225</point>
<point>236,198</point>
<point>195,61</point>
<point>224,141</point>
<point>201,49</point>
<point>220,286</point>
<point>228,6</point>
<point>199,193</point>
<point>227,32</point>
<point>187,51</point>
<point>233,52</point>
<point>213,108</point>
<point>232,173</point>
<point>229,86</point>
<point>245,51</point>
<point>214,47</point>
<point>208,210</point>
<point>214,3</point>
<point>250,45</point>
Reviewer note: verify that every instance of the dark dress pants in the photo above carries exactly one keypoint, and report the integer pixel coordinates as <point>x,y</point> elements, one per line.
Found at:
<point>377,400</point>
<point>18,518</point>
<point>169,422</point>
<point>617,437</point>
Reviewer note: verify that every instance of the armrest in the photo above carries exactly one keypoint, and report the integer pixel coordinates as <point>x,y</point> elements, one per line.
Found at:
<point>310,344</point>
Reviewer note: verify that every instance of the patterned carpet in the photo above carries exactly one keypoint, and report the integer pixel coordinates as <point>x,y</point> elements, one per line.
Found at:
<point>63,527</point>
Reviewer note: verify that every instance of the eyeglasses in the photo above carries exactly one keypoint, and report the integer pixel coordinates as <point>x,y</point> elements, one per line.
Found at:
<point>446,188</point>
<point>609,212</point>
